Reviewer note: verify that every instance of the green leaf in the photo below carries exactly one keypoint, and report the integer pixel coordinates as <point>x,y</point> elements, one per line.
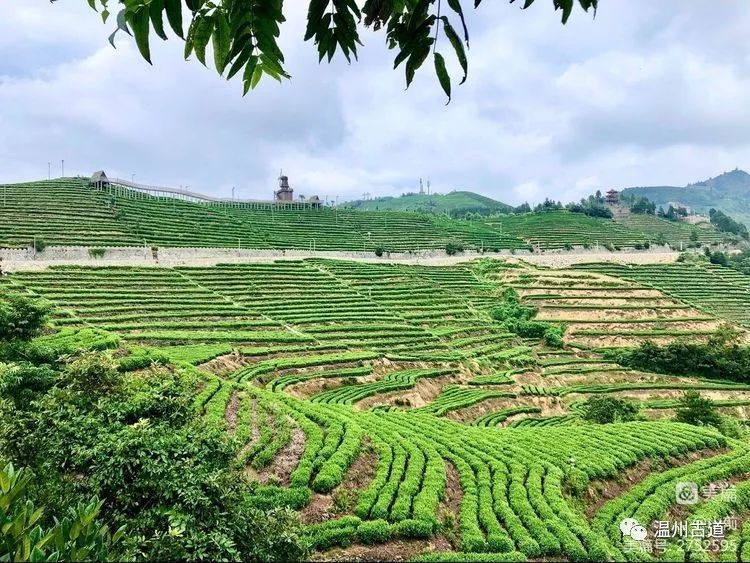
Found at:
<point>315,24</point>
<point>221,41</point>
<point>458,47</point>
<point>418,56</point>
<point>203,28</point>
<point>442,73</point>
<point>140,22</point>
<point>156,11</point>
<point>567,8</point>
<point>122,23</point>
<point>174,15</point>
<point>240,61</point>
<point>455,5</point>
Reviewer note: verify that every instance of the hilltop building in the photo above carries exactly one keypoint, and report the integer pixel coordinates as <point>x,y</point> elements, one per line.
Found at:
<point>613,197</point>
<point>284,193</point>
<point>99,180</point>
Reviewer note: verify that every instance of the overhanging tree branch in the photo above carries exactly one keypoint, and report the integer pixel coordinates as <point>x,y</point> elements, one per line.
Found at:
<point>244,33</point>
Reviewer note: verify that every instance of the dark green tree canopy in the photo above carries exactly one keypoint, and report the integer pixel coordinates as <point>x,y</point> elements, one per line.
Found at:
<point>244,33</point>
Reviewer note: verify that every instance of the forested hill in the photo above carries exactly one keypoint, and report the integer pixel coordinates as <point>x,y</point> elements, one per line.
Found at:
<point>455,204</point>
<point>728,192</point>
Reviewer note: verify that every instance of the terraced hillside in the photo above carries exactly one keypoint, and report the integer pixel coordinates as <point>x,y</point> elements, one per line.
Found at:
<point>384,403</point>
<point>719,291</point>
<point>556,229</point>
<point>601,309</point>
<point>68,212</point>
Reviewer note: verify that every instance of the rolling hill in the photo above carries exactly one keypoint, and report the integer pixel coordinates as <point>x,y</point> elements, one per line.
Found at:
<point>67,212</point>
<point>455,204</point>
<point>728,192</point>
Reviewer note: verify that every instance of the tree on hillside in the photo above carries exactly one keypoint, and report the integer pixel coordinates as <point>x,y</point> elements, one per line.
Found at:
<point>698,411</point>
<point>21,318</point>
<point>606,410</point>
<point>726,224</point>
<point>244,33</point>
<point>643,206</point>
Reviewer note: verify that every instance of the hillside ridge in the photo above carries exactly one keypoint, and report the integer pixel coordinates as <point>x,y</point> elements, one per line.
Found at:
<point>728,192</point>
<point>70,213</point>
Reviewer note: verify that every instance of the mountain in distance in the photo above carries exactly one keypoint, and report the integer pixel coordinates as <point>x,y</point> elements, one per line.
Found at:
<point>728,192</point>
<point>455,204</point>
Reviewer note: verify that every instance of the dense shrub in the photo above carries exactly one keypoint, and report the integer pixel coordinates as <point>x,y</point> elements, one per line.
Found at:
<point>134,443</point>
<point>21,318</point>
<point>38,244</point>
<point>21,382</point>
<point>553,336</point>
<point>518,319</point>
<point>594,210</point>
<point>715,359</point>
<point>379,251</point>
<point>77,536</point>
<point>606,410</point>
<point>698,411</point>
<point>643,206</point>
<point>453,248</point>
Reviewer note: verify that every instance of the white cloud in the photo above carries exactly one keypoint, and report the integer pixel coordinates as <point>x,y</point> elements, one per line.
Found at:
<point>633,97</point>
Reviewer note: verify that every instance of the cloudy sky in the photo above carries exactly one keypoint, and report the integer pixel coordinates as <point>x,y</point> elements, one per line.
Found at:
<point>647,93</point>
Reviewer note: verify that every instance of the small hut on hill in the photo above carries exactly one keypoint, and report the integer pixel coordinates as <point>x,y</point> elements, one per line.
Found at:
<point>99,180</point>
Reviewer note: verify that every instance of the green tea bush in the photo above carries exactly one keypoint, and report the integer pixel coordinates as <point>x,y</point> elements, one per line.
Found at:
<point>374,531</point>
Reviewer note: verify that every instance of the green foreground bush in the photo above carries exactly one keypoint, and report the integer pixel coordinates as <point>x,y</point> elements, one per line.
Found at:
<point>99,445</point>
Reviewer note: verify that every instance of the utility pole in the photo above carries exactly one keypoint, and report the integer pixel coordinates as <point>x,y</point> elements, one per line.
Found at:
<point>49,170</point>
<point>63,168</point>
<point>132,178</point>
<point>232,193</point>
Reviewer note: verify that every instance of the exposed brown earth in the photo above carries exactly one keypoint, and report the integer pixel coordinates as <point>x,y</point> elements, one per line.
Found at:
<point>223,366</point>
<point>230,414</point>
<point>401,550</point>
